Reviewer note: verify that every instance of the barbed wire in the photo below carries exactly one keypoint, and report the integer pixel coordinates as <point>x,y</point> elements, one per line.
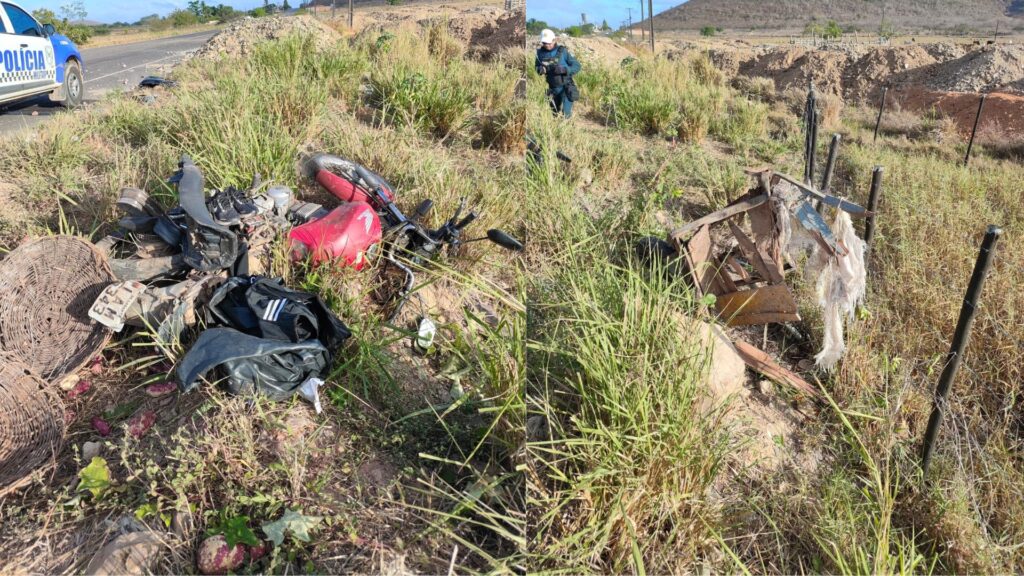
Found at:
<point>1003,331</point>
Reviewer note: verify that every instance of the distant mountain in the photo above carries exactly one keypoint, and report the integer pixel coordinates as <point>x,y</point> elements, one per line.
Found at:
<point>863,14</point>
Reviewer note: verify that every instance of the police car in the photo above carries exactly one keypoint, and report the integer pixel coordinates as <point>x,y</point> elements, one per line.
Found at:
<point>37,60</point>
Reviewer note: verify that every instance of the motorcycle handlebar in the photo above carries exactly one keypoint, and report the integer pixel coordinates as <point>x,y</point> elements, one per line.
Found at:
<point>466,221</point>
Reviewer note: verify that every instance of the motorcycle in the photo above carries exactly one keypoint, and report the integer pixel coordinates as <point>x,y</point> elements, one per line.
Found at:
<point>369,222</point>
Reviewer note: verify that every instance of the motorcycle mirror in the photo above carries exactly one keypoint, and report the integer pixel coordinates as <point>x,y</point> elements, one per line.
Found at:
<point>424,208</point>
<point>504,239</point>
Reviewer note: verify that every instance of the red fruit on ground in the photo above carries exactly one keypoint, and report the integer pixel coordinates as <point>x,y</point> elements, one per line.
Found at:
<point>257,552</point>
<point>214,556</point>
<point>141,423</point>
<point>101,426</point>
<point>80,388</point>
<point>161,389</point>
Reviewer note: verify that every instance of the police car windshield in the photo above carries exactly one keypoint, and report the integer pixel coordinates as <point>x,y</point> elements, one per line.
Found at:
<point>22,22</point>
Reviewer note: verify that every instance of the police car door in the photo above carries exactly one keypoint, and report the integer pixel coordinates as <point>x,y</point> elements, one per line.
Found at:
<point>28,63</point>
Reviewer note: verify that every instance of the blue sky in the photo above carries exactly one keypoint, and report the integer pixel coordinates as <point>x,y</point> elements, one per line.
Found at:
<point>563,13</point>
<point>130,11</point>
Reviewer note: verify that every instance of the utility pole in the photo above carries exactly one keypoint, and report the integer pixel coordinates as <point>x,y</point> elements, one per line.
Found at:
<point>881,27</point>
<point>630,12</point>
<point>351,15</point>
<point>650,16</point>
<point>641,20</point>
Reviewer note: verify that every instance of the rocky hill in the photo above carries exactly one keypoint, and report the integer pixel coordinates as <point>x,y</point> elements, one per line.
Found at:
<point>905,15</point>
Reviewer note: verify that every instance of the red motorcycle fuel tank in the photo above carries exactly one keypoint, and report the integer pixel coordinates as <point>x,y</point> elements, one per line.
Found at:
<point>343,235</point>
<point>345,190</point>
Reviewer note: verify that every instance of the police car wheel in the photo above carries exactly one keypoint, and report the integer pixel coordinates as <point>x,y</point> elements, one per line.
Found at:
<point>74,87</point>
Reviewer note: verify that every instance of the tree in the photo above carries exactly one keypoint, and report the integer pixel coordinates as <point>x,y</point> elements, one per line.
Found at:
<point>285,5</point>
<point>74,11</point>
<point>832,30</point>
<point>77,33</point>
<point>707,31</point>
<point>887,30</point>
<point>182,18</point>
<point>45,16</point>
<point>604,26</point>
<point>534,26</point>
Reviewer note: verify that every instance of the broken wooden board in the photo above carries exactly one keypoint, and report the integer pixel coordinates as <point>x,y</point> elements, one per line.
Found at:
<point>736,267</point>
<point>762,363</point>
<point>742,205</point>
<point>725,282</point>
<point>766,235</point>
<point>698,257</point>
<point>757,306</point>
<point>761,262</point>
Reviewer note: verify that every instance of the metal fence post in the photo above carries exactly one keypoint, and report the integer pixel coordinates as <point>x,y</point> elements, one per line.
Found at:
<point>811,138</point>
<point>869,223</point>
<point>881,107</point>
<point>959,344</point>
<point>981,103</point>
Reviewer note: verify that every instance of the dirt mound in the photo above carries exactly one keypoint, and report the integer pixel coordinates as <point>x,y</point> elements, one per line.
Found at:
<point>596,49</point>
<point>798,67</point>
<point>487,30</point>
<point>240,37</point>
<point>729,60</point>
<point>857,73</point>
<point>862,78</point>
<point>982,70</point>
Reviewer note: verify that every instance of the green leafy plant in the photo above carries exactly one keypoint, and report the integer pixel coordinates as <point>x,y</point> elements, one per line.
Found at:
<point>236,531</point>
<point>292,522</point>
<point>94,478</point>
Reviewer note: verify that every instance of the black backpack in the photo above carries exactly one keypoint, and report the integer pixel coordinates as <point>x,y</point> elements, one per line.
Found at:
<point>269,338</point>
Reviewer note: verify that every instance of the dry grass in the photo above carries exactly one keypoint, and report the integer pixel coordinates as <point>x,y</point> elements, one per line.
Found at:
<point>131,36</point>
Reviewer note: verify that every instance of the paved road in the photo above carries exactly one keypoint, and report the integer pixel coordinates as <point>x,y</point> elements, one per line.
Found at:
<point>107,68</point>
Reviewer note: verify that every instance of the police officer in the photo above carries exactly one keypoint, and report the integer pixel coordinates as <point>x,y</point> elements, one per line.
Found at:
<point>558,67</point>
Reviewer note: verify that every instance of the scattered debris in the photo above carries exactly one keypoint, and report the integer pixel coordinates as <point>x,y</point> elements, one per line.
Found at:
<point>155,81</point>
<point>310,392</point>
<point>761,362</point>
<point>135,553</point>
<point>746,273</point>
<point>425,334</point>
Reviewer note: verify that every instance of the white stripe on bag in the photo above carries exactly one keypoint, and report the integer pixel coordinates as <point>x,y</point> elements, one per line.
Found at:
<point>270,309</point>
<point>277,312</point>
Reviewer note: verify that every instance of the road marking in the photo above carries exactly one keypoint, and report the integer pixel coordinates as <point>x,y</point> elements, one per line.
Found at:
<point>123,70</point>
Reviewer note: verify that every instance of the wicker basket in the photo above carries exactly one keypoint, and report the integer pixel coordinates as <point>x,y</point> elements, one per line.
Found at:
<point>46,289</point>
<point>32,420</point>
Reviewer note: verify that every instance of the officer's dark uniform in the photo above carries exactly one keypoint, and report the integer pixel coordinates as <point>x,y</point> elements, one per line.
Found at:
<point>558,66</point>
